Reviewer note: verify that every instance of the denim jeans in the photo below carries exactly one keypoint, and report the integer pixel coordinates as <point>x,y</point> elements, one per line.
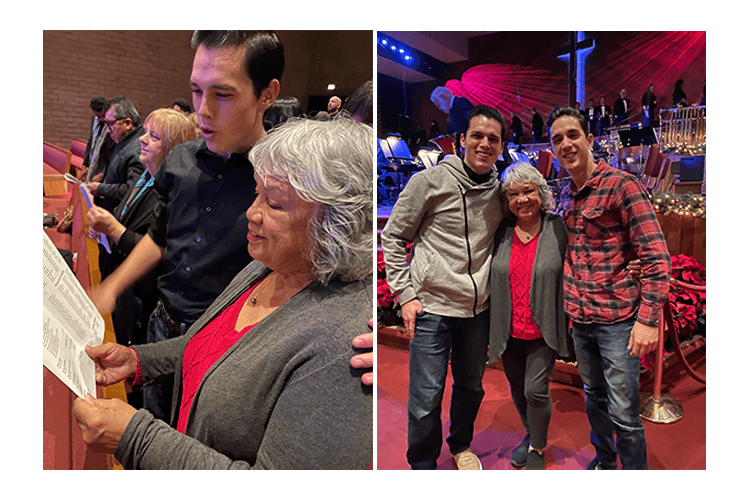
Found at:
<point>610,376</point>
<point>436,340</point>
<point>157,396</point>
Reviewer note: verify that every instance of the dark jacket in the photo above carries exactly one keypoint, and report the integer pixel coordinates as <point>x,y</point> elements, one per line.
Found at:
<point>123,171</point>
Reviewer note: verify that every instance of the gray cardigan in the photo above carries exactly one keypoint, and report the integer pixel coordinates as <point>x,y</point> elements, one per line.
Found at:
<point>546,287</point>
<point>283,397</point>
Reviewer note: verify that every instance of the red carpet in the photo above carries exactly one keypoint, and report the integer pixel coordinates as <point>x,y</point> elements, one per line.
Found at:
<point>677,446</point>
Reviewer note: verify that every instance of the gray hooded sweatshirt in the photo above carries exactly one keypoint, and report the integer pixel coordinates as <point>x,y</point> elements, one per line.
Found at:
<point>452,221</point>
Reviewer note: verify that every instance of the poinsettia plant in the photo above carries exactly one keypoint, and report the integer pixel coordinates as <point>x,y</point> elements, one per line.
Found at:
<point>688,306</point>
<point>389,310</point>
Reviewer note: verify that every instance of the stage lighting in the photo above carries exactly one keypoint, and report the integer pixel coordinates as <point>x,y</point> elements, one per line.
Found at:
<point>403,54</point>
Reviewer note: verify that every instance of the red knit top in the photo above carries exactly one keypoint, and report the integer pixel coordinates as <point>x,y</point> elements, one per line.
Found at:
<point>205,349</point>
<point>521,266</point>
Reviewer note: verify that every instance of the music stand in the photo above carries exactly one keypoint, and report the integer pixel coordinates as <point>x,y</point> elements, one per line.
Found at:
<point>645,136</point>
<point>637,136</point>
<point>399,151</point>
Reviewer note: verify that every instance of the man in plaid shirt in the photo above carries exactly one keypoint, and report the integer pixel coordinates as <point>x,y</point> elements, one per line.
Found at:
<point>615,317</point>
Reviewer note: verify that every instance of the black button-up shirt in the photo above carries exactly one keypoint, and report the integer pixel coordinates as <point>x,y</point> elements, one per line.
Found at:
<point>200,222</point>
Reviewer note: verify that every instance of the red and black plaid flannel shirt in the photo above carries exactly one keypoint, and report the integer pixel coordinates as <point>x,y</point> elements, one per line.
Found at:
<point>610,223</point>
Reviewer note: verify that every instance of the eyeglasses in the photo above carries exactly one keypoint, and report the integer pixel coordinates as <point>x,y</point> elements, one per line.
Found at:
<point>111,124</point>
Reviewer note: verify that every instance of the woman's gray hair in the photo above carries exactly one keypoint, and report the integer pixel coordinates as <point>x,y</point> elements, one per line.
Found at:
<point>522,172</point>
<point>328,164</point>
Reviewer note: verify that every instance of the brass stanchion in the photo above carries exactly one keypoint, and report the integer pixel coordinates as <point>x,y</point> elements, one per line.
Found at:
<point>661,408</point>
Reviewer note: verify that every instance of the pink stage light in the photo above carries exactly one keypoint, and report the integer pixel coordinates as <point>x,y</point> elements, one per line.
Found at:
<point>650,57</point>
<point>511,89</point>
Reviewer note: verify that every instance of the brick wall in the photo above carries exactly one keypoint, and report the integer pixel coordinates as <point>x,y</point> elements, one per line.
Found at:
<point>151,68</point>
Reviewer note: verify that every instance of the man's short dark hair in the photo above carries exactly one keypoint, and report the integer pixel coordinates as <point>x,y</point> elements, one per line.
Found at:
<point>565,111</point>
<point>98,104</point>
<point>359,104</point>
<point>489,112</point>
<point>264,53</point>
<point>183,104</point>
<point>124,108</point>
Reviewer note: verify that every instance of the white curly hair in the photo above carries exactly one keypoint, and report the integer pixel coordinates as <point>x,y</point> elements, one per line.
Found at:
<point>329,164</point>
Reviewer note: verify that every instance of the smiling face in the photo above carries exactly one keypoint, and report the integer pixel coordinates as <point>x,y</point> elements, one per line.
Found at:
<point>277,227</point>
<point>483,143</point>
<point>524,201</point>
<point>572,147</point>
<point>153,146</point>
<point>230,116</point>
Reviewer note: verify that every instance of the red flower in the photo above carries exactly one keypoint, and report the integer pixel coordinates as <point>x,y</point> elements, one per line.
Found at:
<point>687,305</point>
<point>381,262</point>
<point>385,297</point>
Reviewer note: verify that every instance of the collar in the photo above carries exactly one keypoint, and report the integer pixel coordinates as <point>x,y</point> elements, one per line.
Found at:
<point>479,179</point>
<point>593,180</point>
<point>218,163</point>
<point>127,141</point>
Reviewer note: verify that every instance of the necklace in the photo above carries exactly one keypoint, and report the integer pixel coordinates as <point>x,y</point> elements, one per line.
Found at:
<point>261,288</point>
<point>525,235</point>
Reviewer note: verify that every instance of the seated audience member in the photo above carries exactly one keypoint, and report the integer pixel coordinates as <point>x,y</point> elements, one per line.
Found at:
<point>128,223</point>
<point>322,116</point>
<point>334,107</point>
<point>125,168</point>
<point>271,355</point>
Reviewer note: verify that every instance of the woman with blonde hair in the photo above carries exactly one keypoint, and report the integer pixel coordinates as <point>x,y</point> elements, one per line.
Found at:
<point>164,129</point>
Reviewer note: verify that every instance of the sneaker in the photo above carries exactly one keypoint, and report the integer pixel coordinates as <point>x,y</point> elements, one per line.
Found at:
<point>535,461</point>
<point>518,456</point>
<point>467,460</point>
<point>597,465</point>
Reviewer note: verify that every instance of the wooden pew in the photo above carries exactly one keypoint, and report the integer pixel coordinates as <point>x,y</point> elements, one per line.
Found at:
<point>56,162</point>
<point>63,445</point>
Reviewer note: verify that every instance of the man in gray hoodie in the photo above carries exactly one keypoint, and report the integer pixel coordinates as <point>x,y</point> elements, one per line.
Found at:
<point>450,213</point>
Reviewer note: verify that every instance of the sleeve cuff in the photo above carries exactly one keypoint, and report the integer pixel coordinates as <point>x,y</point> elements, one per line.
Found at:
<point>138,378</point>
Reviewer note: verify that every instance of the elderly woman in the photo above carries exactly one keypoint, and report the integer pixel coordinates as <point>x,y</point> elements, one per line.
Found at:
<point>264,376</point>
<point>129,221</point>
<point>529,327</point>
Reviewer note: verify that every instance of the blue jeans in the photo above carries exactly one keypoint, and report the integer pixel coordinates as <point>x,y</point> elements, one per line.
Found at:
<point>436,339</point>
<point>157,396</point>
<point>610,376</point>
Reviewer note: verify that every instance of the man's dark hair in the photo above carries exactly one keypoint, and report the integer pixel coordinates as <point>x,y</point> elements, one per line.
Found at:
<point>264,53</point>
<point>565,111</point>
<point>183,104</point>
<point>490,113</point>
<point>98,104</point>
<point>124,108</point>
<point>359,104</point>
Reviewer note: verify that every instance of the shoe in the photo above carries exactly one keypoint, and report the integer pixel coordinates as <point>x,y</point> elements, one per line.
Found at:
<point>518,456</point>
<point>597,465</point>
<point>467,460</point>
<point>535,461</point>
